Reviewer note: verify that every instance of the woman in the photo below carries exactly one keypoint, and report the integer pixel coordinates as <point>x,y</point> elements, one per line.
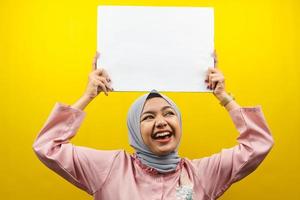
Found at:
<point>155,171</point>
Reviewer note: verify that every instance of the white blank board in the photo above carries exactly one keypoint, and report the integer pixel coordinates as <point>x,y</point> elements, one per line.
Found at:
<point>149,47</point>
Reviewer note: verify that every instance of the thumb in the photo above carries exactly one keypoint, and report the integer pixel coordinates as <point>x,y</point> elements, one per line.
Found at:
<point>214,55</point>
<point>94,64</point>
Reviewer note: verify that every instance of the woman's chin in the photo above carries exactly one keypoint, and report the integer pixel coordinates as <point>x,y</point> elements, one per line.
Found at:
<point>163,151</point>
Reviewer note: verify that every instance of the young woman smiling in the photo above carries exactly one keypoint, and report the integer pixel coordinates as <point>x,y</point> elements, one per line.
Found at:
<point>155,170</point>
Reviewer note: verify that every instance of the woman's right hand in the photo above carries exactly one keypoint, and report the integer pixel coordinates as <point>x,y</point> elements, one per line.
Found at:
<point>99,81</point>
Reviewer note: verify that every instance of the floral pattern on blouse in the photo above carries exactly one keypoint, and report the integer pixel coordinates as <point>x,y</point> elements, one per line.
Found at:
<point>184,189</point>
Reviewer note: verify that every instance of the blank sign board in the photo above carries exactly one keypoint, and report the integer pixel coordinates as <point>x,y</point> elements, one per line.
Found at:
<point>163,48</point>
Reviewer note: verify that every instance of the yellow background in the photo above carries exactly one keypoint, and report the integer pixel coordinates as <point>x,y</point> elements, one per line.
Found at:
<point>46,49</point>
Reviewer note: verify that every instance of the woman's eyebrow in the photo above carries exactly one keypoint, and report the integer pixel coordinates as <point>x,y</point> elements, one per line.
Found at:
<point>166,107</point>
<point>147,112</point>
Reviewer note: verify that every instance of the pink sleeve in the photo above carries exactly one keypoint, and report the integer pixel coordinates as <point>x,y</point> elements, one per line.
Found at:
<point>84,167</point>
<point>219,171</point>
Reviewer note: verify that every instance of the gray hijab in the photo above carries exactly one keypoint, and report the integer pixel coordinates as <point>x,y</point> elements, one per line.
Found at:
<point>163,164</point>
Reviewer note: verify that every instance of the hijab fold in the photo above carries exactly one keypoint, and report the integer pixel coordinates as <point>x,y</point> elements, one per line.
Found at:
<point>163,164</point>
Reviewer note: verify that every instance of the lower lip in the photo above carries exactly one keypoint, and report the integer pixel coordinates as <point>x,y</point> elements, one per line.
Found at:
<point>165,140</point>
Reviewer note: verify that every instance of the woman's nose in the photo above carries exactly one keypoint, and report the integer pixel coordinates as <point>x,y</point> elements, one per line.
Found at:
<point>161,123</point>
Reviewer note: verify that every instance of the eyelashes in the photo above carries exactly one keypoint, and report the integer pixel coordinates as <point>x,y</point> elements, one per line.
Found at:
<point>170,113</point>
<point>151,116</point>
<point>148,117</point>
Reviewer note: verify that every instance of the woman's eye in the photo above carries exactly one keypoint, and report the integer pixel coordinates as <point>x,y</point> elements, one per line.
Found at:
<point>170,113</point>
<point>147,117</point>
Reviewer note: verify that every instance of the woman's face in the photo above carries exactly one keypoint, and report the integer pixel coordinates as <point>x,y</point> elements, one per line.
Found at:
<point>160,126</point>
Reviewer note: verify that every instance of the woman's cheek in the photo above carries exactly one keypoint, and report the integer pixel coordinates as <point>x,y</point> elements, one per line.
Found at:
<point>146,128</point>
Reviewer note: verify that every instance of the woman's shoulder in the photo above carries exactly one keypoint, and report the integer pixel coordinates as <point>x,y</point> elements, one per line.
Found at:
<point>122,156</point>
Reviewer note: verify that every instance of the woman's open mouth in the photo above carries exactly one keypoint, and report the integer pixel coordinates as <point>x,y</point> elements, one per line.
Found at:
<point>163,136</point>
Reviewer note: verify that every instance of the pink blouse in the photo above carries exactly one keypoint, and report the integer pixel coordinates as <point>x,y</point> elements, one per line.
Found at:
<point>118,175</point>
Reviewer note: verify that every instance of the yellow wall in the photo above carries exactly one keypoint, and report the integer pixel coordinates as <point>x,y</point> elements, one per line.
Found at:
<point>46,48</point>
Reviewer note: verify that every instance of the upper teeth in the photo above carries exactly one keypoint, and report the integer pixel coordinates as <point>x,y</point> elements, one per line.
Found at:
<point>162,134</point>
